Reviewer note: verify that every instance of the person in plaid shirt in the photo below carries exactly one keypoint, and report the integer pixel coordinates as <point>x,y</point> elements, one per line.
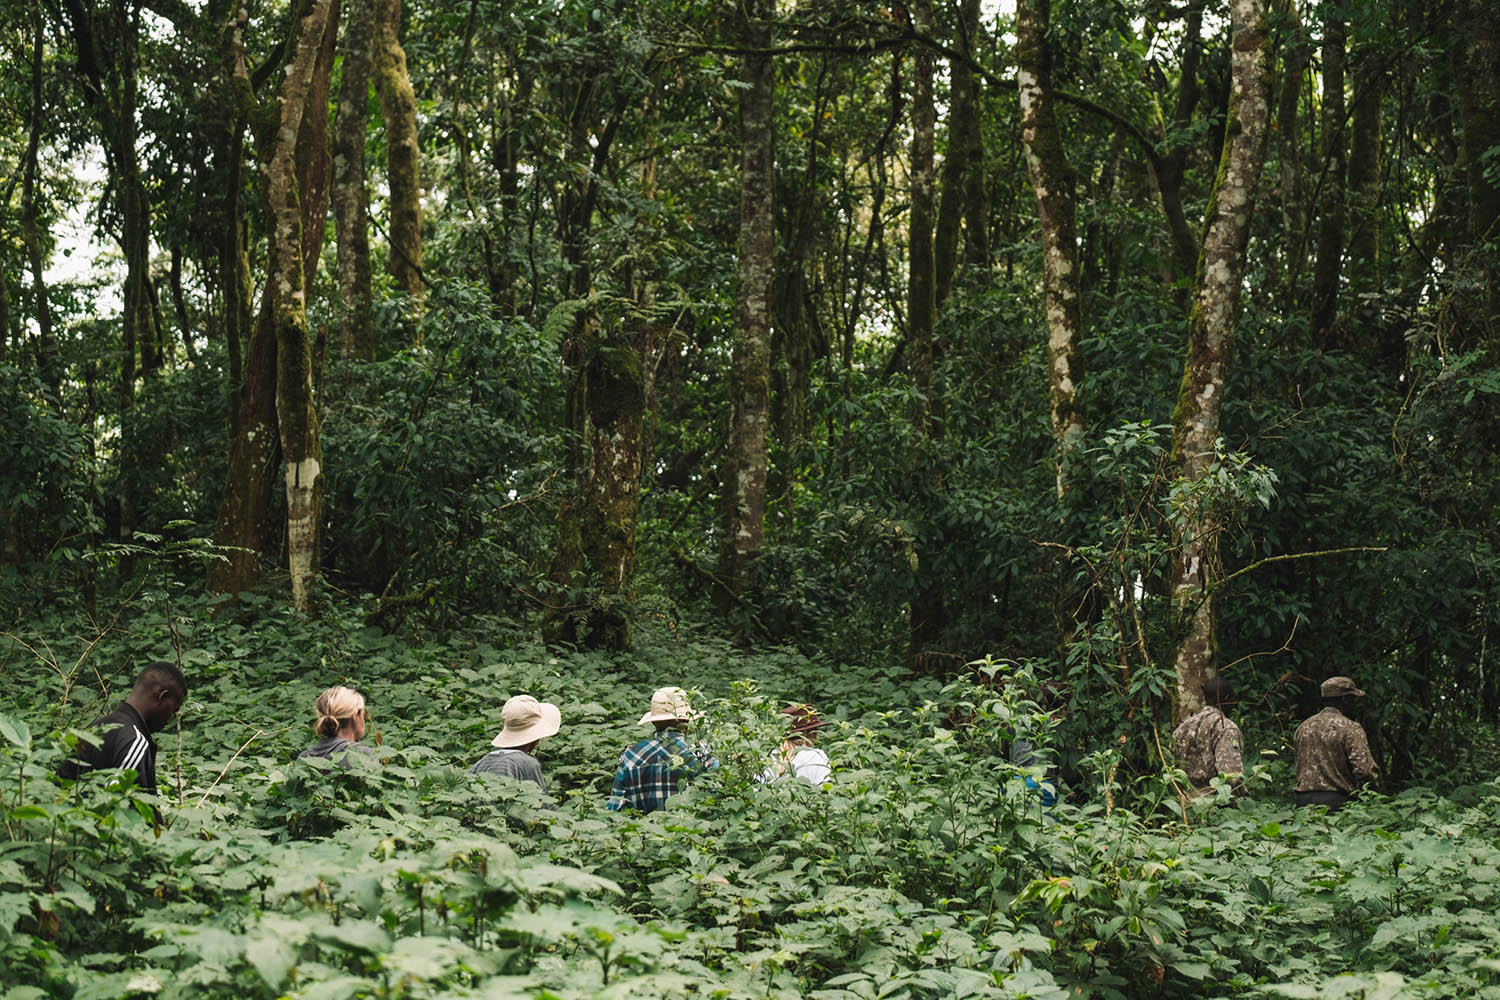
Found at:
<point>649,771</point>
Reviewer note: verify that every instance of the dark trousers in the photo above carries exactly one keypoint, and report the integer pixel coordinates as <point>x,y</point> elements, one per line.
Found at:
<point>1333,800</point>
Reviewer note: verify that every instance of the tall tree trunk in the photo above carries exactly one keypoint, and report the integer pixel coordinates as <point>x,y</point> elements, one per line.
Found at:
<point>1364,174</point>
<point>254,456</point>
<point>1052,179</point>
<point>744,480</point>
<point>256,449</point>
<point>1326,269</point>
<point>296,412</point>
<point>135,230</point>
<point>960,161</point>
<point>928,614</point>
<point>1170,168</point>
<point>505,156</point>
<point>1099,240</point>
<point>1296,53</point>
<point>796,336</point>
<point>921,286</point>
<point>10,528</point>
<point>135,208</point>
<point>595,611</point>
<point>1195,421</point>
<point>616,401</point>
<point>398,105</point>
<point>255,444</point>
<point>180,304</point>
<point>1477,61</point>
<point>237,290</point>
<point>350,200</point>
<point>46,346</point>
<point>106,47</point>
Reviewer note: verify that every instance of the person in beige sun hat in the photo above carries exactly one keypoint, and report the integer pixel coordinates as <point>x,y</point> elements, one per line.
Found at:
<point>650,770</point>
<point>669,704</point>
<point>526,723</point>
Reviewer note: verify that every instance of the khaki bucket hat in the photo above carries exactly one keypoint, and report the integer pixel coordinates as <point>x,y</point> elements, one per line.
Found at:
<point>669,704</point>
<point>526,719</point>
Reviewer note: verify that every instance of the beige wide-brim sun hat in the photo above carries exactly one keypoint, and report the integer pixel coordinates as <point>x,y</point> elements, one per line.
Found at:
<point>526,719</point>
<point>669,704</point>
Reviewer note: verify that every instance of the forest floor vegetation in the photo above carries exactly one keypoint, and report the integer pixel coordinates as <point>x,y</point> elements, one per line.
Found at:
<point>923,868</point>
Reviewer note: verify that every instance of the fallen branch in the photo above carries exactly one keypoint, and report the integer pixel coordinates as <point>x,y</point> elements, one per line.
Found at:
<point>255,736</point>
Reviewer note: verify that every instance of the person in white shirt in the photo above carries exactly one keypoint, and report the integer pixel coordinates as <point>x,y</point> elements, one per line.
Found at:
<point>798,754</point>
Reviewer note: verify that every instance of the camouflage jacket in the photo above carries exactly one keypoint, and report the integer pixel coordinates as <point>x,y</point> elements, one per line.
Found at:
<point>1333,754</point>
<point>1207,744</point>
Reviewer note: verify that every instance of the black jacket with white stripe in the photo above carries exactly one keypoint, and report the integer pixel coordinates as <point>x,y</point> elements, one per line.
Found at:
<point>127,744</point>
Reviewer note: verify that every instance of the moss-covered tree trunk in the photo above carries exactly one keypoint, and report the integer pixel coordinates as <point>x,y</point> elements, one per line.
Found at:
<point>1221,269</point>
<point>350,198</point>
<point>292,166</point>
<point>1053,182</point>
<point>604,397</point>
<point>594,565</point>
<point>255,444</point>
<point>256,449</point>
<point>607,527</point>
<point>744,478</point>
<point>1335,139</point>
<point>398,105</point>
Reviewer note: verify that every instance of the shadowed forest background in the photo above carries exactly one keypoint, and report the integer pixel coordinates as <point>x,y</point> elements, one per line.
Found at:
<point>832,345</point>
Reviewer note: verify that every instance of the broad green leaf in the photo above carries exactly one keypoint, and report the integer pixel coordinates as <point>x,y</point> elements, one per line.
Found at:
<point>1197,971</point>
<point>15,731</point>
<point>272,950</point>
<point>358,935</point>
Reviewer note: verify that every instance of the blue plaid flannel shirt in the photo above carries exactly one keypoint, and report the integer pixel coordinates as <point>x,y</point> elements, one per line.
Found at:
<point>649,770</point>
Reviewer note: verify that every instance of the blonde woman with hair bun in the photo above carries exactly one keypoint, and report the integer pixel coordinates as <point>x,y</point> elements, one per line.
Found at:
<point>340,725</point>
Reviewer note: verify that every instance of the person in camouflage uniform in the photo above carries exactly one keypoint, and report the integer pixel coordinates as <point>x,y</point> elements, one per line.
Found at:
<point>1333,756</point>
<point>1207,743</point>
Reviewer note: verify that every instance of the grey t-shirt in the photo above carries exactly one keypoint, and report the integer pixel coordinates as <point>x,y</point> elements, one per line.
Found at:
<point>516,764</point>
<point>335,748</point>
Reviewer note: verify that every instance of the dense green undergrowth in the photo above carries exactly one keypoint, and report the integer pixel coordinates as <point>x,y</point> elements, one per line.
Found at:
<point>923,869</point>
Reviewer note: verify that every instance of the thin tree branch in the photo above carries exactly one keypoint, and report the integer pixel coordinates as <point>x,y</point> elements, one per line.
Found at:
<point>1217,584</point>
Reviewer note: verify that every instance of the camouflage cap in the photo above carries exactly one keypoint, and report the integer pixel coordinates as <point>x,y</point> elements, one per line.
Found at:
<point>1338,687</point>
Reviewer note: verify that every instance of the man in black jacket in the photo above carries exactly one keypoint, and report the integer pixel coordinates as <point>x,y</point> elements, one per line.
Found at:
<point>157,694</point>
